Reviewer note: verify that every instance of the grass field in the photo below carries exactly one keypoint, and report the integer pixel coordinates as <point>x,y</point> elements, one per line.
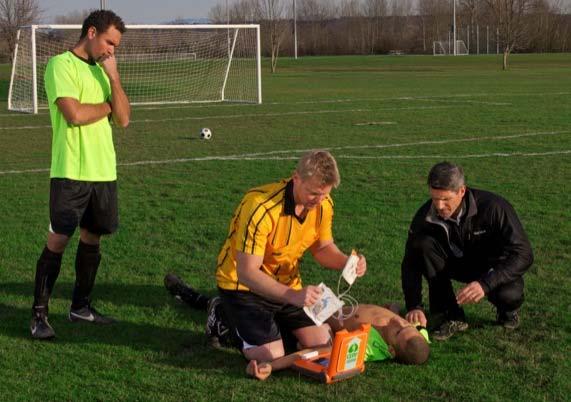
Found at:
<point>387,120</point>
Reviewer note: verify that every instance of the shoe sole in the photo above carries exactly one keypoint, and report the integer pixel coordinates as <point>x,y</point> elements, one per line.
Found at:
<point>444,338</point>
<point>44,338</point>
<point>75,320</point>
<point>510,327</point>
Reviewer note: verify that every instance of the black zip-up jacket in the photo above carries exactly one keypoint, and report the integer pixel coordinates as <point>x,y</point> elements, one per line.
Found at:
<point>492,235</point>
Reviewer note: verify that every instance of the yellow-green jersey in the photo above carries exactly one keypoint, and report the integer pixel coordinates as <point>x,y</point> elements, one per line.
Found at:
<point>265,224</point>
<point>377,348</point>
<point>84,152</point>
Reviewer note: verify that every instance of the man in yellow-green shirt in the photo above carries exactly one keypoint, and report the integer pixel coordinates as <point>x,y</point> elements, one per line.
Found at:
<point>390,336</point>
<point>84,93</point>
<point>258,267</point>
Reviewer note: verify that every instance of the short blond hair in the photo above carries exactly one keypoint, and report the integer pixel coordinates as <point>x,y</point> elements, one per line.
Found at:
<point>321,165</point>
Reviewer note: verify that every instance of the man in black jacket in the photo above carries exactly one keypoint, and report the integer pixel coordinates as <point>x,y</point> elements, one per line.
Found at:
<point>471,236</point>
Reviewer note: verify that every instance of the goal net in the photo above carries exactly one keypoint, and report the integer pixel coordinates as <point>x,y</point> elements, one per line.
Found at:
<point>445,47</point>
<point>158,64</point>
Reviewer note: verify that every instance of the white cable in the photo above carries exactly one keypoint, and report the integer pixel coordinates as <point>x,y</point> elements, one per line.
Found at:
<point>349,301</point>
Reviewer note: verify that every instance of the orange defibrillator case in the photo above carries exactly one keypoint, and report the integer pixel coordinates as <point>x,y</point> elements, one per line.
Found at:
<point>345,360</point>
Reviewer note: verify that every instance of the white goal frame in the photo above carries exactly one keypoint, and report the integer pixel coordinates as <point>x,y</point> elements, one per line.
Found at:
<point>231,32</point>
<point>446,48</point>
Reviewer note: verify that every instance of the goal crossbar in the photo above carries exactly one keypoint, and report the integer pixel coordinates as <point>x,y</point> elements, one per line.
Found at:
<point>158,64</point>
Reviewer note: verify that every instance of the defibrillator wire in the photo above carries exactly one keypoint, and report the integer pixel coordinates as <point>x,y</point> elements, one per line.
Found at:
<point>349,301</point>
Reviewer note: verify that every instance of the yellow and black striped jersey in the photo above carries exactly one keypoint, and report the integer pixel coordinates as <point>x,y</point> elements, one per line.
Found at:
<point>265,224</point>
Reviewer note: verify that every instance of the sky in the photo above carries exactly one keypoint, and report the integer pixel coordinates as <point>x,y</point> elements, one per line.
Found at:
<point>133,11</point>
<point>150,11</point>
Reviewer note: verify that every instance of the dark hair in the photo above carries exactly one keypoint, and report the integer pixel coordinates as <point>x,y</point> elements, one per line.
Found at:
<point>446,176</point>
<point>416,351</point>
<point>102,20</point>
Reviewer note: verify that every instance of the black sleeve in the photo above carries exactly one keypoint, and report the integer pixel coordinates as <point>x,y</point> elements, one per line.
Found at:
<point>411,277</point>
<point>516,255</point>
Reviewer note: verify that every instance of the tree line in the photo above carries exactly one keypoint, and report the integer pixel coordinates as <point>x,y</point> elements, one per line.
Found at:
<point>329,27</point>
<point>336,27</point>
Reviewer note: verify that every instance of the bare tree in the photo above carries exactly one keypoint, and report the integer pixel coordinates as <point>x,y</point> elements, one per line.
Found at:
<point>243,11</point>
<point>272,13</point>
<point>349,8</point>
<point>14,14</point>
<point>376,26</point>
<point>435,20</point>
<point>315,14</point>
<point>400,29</point>
<point>510,19</point>
<point>353,33</point>
<point>471,9</point>
<point>75,17</point>
<point>217,14</point>
<point>374,11</point>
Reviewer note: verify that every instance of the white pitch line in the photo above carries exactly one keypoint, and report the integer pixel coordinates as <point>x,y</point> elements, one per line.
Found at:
<point>376,123</point>
<point>19,114</point>
<point>7,172</point>
<point>296,157</point>
<point>296,152</point>
<point>381,99</point>
<point>322,101</point>
<point>258,115</point>
<point>490,155</point>
<point>466,101</point>
<point>237,116</point>
<point>348,100</point>
<point>24,127</point>
<point>229,116</point>
<point>407,144</point>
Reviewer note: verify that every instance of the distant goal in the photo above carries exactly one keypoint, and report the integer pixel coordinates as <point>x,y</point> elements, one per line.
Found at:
<point>444,47</point>
<point>159,64</point>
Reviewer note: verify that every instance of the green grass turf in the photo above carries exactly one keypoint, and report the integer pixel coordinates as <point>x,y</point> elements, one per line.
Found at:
<point>174,217</point>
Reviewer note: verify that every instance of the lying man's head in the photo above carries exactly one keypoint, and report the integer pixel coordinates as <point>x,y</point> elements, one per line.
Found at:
<point>405,341</point>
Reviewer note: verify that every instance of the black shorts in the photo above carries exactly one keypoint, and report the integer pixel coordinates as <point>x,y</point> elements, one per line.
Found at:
<point>89,205</point>
<point>258,321</point>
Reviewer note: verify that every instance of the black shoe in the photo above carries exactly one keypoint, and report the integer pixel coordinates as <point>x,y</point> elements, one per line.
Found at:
<point>185,293</point>
<point>89,314</point>
<point>217,331</point>
<point>508,319</point>
<point>40,327</point>
<point>174,285</point>
<point>449,328</point>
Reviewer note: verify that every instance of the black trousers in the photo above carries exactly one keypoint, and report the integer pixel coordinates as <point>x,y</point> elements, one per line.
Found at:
<point>439,266</point>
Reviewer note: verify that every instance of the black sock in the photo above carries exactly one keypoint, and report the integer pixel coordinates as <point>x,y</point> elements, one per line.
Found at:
<point>87,262</point>
<point>47,271</point>
<point>193,298</point>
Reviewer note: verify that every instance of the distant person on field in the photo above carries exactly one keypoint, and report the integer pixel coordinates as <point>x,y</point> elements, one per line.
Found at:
<point>391,336</point>
<point>258,270</point>
<point>84,93</point>
<point>469,235</point>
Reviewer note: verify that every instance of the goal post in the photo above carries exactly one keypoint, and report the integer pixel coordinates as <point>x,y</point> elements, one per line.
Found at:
<point>444,47</point>
<point>158,64</point>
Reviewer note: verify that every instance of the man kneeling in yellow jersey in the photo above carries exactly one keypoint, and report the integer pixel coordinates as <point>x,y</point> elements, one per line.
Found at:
<point>258,273</point>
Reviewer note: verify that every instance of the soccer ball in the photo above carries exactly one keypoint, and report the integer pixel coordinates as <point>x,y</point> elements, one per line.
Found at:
<point>205,134</point>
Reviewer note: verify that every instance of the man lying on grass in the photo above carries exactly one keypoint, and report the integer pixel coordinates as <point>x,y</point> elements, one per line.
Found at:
<point>391,336</point>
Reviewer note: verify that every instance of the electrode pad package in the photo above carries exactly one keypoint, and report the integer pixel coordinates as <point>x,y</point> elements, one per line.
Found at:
<point>350,270</point>
<point>325,307</point>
